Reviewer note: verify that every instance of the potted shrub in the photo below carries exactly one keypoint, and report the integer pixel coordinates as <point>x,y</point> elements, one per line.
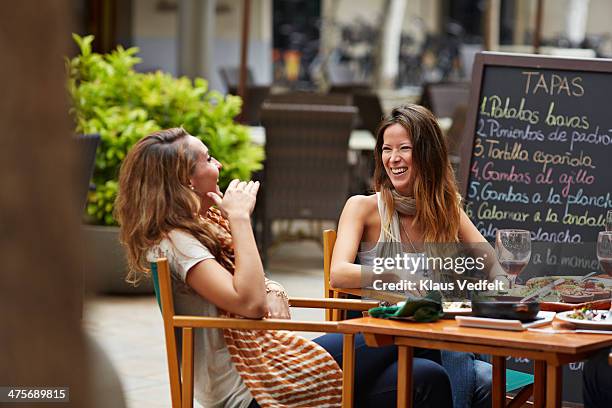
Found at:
<point>122,105</point>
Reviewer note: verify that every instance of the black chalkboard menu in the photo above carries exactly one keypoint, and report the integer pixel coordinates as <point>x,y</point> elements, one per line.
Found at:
<point>541,146</point>
<point>540,142</point>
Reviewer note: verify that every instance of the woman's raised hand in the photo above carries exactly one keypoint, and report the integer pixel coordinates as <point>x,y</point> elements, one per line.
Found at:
<point>238,200</point>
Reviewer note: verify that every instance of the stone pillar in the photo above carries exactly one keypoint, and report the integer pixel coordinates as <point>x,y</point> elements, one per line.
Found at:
<point>196,32</point>
<point>330,38</point>
<point>576,21</point>
<point>524,10</point>
<point>390,46</point>
<point>491,25</point>
<point>41,286</point>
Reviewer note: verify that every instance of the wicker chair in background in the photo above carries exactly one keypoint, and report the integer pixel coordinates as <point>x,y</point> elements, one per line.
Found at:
<point>444,97</point>
<point>254,99</point>
<point>370,110</point>
<point>231,77</point>
<point>310,98</point>
<point>343,78</point>
<point>255,94</point>
<point>87,146</point>
<point>306,174</point>
<point>449,100</point>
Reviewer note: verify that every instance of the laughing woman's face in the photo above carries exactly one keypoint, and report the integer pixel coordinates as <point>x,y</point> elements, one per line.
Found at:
<point>397,158</point>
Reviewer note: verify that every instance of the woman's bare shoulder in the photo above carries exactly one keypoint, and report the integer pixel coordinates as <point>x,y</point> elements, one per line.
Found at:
<point>360,208</point>
<point>362,204</point>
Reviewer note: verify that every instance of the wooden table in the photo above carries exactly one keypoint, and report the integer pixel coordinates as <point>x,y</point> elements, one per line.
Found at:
<point>548,351</point>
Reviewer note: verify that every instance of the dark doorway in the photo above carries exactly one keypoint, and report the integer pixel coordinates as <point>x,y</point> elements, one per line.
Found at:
<point>296,36</point>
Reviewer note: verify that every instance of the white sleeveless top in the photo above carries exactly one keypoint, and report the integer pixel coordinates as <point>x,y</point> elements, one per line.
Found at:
<point>385,247</point>
<point>217,382</point>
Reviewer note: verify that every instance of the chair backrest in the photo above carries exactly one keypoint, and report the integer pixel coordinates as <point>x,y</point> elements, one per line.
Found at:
<point>343,75</point>
<point>329,240</point>
<point>335,315</point>
<point>350,88</point>
<point>231,76</point>
<point>370,110</point>
<point>160,273</point>
<point>311,98</point>
<point>87,146</point>
<point>155,279</point>
<point>254,99</point>
<point>454,135</point>
<point>306,170</point>
<point>444,97</point>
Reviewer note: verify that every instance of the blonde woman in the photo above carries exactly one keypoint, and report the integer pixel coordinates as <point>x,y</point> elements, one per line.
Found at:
<point>416,203</point>
<point>170,205</point>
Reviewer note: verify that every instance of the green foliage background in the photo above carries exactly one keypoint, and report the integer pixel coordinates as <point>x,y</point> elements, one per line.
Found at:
<point>110,98</point>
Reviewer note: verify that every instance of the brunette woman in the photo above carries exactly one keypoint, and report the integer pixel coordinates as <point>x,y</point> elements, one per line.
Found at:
<point>416,204</point>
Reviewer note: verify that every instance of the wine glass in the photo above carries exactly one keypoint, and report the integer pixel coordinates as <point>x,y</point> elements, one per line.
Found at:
<point>513,248</point>
<point>604,251</point>
<point>609,220</point>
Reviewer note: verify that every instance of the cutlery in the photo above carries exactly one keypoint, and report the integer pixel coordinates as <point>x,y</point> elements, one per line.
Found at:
<point>588,275</point>
<point>542,291</point>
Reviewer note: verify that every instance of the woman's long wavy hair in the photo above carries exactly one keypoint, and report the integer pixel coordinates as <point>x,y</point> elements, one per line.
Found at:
<point>435,189</point>
<point>154,198</point>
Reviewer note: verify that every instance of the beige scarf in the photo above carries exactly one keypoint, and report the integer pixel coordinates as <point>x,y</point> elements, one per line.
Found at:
<point>403,205</point>
<point>281,369</point>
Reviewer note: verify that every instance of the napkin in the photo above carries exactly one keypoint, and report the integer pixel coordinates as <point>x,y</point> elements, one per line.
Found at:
<point>418,309</point>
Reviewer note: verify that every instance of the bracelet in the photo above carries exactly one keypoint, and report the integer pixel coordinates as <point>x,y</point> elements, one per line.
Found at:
<point>279,294</point>
<point>278,290</point>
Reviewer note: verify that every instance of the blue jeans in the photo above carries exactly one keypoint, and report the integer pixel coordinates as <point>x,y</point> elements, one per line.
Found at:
<point>597,381</point>
<point>470,379</point>
<point>376,374</point>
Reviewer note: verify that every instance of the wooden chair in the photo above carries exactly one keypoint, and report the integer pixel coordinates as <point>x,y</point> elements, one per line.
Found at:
<point>329,240</point>
<point>515,380</point>
<point>179,332</point>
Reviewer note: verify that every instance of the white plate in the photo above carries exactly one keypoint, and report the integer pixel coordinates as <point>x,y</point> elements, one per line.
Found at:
<point>504,324</point>
<point>458,311</point>
<point>586,324</point>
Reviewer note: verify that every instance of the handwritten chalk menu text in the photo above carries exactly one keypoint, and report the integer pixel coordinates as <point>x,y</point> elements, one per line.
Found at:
<point>541,157</point>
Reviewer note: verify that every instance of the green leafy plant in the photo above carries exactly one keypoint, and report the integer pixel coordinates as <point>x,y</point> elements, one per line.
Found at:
<point>110,98</point>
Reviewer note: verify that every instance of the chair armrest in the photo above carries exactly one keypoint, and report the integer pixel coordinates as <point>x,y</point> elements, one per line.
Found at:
<point>344,304</point>
<point>390,297</point>
<point>348,291</point>
<point>254,324</point>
